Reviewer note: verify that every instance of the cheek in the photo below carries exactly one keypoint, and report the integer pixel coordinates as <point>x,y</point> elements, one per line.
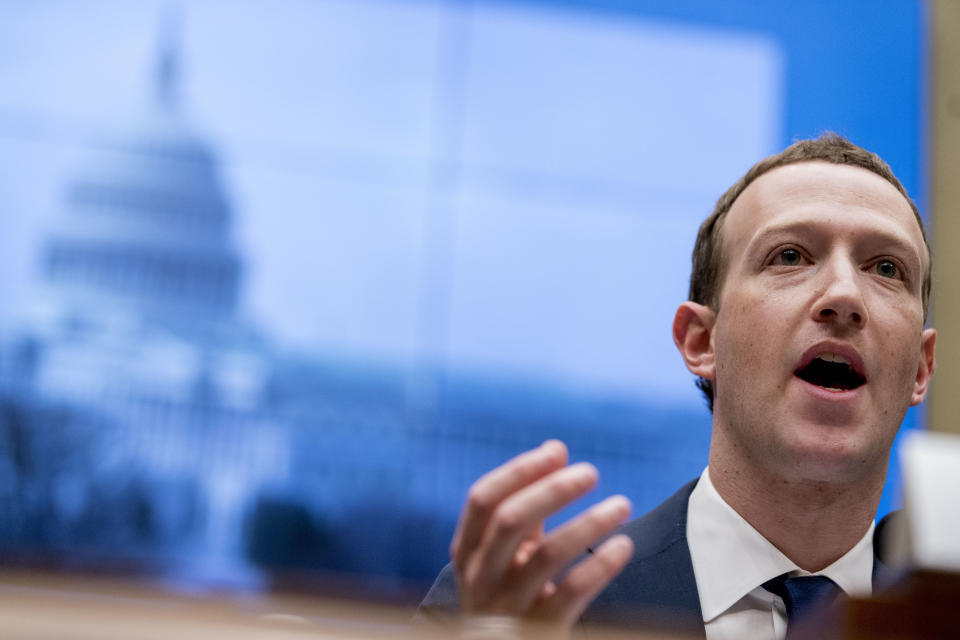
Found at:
<point>743,341</point>
<point>755,325</point>
<point>901,358</point>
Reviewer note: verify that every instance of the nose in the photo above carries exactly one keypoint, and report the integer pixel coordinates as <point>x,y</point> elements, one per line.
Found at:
<point>841,299</point>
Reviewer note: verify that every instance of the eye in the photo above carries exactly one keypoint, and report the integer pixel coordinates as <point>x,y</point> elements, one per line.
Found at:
<point>788,258</point>
<point>887,269</point>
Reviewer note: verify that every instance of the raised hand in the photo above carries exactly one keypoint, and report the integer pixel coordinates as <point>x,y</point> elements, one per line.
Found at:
<point>507,564</point>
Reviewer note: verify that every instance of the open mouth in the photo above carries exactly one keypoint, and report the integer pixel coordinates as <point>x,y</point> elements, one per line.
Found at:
<point>832,372</point>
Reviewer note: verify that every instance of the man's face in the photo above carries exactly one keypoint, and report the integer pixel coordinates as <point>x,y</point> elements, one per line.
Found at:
<point>818,339</point>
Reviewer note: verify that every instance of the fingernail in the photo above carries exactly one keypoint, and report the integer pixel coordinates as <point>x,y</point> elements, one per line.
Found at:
<point>585,470</point>
<point>556,447</point>
<point>621,544</point>
<point>619,505</point>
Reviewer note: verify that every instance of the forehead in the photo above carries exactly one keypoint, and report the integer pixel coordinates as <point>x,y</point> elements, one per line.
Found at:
<point>849,199</point>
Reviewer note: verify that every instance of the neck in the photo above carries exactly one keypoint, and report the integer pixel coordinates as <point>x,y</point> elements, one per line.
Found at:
<point>812,522</point>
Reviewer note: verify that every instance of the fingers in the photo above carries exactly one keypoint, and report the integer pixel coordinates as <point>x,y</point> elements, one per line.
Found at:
<point>504,561</point>
<point>488,492</point>
<point>517,517</point>
<point>581,585</point>
<point>566,543</point>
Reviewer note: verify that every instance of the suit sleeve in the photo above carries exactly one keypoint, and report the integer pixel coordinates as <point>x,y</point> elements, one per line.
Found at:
<point>440,608</point>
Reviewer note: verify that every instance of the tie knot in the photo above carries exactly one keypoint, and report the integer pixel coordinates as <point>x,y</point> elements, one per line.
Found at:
<point>803,594</point>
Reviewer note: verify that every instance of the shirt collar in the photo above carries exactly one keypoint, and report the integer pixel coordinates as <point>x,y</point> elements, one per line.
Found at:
<point>731,558</point>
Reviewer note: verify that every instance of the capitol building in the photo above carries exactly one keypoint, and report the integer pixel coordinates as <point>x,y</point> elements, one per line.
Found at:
<point>147,425</point>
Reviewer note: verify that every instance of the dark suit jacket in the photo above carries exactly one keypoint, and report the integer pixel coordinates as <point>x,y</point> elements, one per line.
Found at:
<point>656,589</point>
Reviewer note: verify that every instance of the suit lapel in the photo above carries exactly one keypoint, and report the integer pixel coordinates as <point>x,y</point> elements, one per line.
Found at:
<point>657,588</point>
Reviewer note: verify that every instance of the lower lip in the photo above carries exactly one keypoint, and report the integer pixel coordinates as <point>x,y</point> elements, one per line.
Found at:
<point>832,396</point>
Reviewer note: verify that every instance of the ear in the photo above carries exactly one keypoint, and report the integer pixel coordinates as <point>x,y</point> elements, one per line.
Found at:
<point>692,333</point>
<point>925,370</point>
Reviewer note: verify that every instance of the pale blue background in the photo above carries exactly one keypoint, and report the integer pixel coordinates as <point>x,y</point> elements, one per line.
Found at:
<point>469,195</point>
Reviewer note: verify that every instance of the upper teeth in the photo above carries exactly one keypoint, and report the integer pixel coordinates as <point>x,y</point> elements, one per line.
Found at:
<point>833,357</point>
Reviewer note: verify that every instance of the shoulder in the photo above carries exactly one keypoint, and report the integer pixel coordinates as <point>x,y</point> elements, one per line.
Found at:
<point>661,528</point>
<point>657,587</point>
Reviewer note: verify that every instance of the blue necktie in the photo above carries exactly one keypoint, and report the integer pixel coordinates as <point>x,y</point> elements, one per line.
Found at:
<point>803,594</point>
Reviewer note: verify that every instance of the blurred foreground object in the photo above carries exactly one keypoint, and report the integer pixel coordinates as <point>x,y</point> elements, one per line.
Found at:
<point>38,606</point>
<point>925,541</point>
<point>931,468</point>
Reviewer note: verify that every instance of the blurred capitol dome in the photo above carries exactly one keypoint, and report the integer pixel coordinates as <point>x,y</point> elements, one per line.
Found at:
<point>135,354</point>
<point>145,229</point>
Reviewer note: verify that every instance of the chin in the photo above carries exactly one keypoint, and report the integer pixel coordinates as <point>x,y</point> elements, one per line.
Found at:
<point>833,460</point>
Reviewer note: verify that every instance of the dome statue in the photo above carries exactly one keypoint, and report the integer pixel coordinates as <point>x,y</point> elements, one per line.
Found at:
<point>146,224</point>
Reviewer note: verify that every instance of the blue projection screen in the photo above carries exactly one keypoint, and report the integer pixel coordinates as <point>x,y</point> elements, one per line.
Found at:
<point>280,280</point>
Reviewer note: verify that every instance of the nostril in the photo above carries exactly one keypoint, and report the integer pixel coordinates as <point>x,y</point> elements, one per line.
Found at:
<point>829,314</point>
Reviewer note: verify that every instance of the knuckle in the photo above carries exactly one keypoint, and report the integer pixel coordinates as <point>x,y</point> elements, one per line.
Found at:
<point>508,520</point>
<point>478,501</point>
<point>597,522</point>
<point>575,584</point>
<point>606,563</point>
<point>572,594</point>
<point>471,579</point>
<point>550,554</point>
<point>569,485</point>
<point>531,466</point>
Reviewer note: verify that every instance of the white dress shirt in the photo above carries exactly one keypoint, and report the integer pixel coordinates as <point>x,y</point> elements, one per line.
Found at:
<point>731,560</point>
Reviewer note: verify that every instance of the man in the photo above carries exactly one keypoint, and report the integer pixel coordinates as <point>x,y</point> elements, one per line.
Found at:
<point>805,328</point>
